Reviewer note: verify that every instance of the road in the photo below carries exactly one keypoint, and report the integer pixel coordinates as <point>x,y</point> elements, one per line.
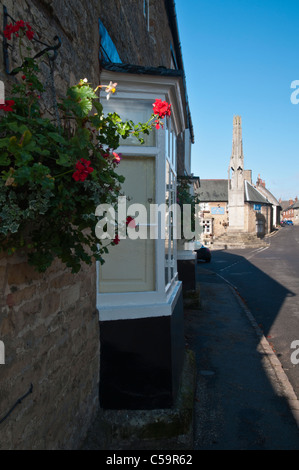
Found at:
<point>268,281</point>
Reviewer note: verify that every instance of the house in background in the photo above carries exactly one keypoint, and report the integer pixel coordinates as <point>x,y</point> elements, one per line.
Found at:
<point>213,206</point>
<point>139,294</point>
<point>276,207</point>
<point>290,210</point>
<point>296,213</point>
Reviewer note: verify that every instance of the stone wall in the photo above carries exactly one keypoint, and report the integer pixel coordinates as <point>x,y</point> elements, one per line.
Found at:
<point>49,326</point>
<point>252,216</point>
<point>220,221</point>
<point>48,323</point>
<point>136,43</point>
<point>76,25</point>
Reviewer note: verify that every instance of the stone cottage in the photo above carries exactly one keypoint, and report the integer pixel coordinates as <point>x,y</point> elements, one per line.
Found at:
<point>50,323</point>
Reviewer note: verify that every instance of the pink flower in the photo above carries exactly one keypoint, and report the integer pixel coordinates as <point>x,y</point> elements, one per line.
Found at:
<point>117,157</point>
<point>111,88</point>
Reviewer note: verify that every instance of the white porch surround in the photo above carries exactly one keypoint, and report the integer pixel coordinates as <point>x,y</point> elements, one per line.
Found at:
<point>145,88</point>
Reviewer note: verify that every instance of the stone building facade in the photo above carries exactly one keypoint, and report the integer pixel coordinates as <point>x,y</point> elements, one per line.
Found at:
<point>213,208</point>
<point>49,323</point>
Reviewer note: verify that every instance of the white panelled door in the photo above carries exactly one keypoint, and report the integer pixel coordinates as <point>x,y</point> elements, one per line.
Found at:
<point>130,265</point>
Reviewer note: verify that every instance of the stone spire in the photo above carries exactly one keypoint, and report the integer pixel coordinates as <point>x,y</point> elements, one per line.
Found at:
<point>236,179</point>
<point>237,157</point>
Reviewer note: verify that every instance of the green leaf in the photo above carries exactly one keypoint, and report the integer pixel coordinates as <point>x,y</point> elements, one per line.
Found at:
<point>22,175</point>
<point>85,106</point>
<point>4,142</point>
<point>98,106</point>
<point>4,160</point>
<point>26,138</point>
<point>64,159</point>
<point>57,137</point>
<point>24,158</point>
<point>13,146</point>
<point>17,128</point>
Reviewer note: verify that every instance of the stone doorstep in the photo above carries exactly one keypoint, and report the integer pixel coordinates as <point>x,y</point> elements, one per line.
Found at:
<point>169,429</point>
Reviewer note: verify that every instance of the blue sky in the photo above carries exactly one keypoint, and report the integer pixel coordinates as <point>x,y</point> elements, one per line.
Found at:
<point>240,58</point>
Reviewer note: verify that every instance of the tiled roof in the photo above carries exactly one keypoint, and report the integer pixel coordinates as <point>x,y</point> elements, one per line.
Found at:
<point>295,205</point>
<point>284,205</point>
<point>253,195</point>
<point>265,192</point>
<point>213,190</point>
<point>217,190</point>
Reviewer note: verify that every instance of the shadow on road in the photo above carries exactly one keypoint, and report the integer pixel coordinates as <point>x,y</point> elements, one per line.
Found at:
<point>263,295</point>
<point>240,403</point>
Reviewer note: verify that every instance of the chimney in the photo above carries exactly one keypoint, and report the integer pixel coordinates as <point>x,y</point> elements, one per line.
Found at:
<point>260,182</point>
<point>248,176</point>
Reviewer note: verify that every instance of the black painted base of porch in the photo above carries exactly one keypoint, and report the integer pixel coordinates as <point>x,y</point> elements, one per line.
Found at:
<point>187,274</point>
<point>141,361</point>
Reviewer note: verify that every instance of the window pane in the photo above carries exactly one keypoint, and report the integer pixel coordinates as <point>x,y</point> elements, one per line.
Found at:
<point>107,45</point>
<point>168,203</point>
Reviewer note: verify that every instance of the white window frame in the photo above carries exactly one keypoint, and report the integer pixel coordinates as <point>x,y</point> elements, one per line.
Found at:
<point>162,300</point>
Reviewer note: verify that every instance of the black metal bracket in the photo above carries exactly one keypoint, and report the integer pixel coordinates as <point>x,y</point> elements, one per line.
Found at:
<point>6,45</point>
<point>16,404</point>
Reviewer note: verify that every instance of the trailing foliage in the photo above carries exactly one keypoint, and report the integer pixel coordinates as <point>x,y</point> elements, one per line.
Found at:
<point>53,176</point>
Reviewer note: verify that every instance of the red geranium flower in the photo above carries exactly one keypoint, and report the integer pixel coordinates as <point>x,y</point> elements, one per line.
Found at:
<point>158,124</point>
<point>130,221</point>
<point>161,108</point>
<point>15,28</point>
<point>30,34</point>
<point>83,170</point>
<point>116,240</point>
<point>8,106</point>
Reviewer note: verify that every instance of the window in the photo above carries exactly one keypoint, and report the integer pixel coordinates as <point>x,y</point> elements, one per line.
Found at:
<point>207,226</point>
<point>170,228</point>
<point>108,51</point>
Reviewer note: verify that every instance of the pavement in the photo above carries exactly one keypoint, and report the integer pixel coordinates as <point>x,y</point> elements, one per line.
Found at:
<point>241,398</point>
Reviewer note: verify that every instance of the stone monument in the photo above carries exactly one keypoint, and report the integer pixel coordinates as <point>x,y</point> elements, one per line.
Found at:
<point>236,180</point>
